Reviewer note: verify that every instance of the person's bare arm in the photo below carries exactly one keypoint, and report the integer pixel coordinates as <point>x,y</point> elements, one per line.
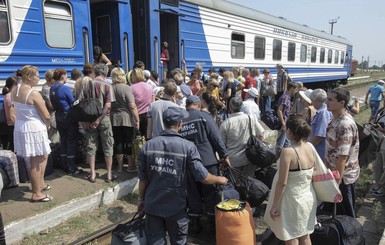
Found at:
<point>106,60</point>
<point>134,112</point>
<point>39,103</point>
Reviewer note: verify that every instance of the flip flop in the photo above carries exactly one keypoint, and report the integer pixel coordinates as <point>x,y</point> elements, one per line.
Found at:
<point>113,178</point>
<point>47,188</point>
<point>44,199</point>
<point>91,180</point>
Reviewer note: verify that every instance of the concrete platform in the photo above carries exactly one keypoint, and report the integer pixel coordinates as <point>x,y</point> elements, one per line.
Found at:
<point>72,195</point>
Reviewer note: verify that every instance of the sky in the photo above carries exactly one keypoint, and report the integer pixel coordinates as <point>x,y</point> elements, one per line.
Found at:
<point>362,22</point>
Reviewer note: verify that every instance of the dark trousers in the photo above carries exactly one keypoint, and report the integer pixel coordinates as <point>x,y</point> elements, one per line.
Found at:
<point>346,207</point>
<point>123,137</point>
<point>176,226</point>
<point>198,194</point>
<point>143,124</point>
<point>2,233</point>
<point>69,132</point>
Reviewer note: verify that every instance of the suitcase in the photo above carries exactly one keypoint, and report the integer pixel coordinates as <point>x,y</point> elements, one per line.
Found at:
<point>23,167</point>
<point>234,223</point>
<point>8,160</point>
<point>339,230</point>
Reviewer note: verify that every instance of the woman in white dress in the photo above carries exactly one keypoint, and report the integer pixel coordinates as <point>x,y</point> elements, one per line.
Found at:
<point>291,209</point>
<point>30,133</point>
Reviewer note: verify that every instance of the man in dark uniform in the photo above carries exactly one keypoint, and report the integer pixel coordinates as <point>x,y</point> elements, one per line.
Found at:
<point>164,163</point>
<point>201,129</point>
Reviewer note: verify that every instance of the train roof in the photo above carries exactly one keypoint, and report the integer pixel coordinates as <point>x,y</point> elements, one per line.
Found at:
<point>239,10</point>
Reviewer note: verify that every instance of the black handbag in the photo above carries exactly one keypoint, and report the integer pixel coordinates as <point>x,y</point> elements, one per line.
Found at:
<point>251,190</point>
<point>261,154</point>
<point>87,109</point>
<point>131,233</point>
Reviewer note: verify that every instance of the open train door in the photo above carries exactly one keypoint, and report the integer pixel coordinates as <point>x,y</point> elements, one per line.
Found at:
<point>112,30</point>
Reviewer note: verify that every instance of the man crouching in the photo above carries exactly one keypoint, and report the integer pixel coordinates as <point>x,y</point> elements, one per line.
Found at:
<point>164,162</point>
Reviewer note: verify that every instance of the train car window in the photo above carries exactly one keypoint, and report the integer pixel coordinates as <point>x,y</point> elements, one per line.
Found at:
<point>330,54</point>
<point>336,56</point>
<point>342,57</point>
<point>291,52</point>
<point>322,55</point>
<point>277,49</point>
<point>259,48</point>
<point>303,57</point>
<point>170,2</point>
<point>5,35</point>
<point>237,46</point>
<point>58,14</point>
<point>313,58</point>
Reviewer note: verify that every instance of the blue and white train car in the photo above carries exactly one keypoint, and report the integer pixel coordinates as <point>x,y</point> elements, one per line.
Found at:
<point>218,33</point>
<point>61,33</point>
<point>212,33</point>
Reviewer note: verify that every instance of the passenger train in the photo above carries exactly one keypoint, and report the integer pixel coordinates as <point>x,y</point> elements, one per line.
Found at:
<point>211,33</point>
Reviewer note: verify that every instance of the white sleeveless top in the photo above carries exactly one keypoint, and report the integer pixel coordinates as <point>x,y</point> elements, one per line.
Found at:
<point>30,133</point>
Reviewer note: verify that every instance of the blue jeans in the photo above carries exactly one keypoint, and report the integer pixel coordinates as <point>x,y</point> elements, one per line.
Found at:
<point>282,141</point>
<point>374,106</point>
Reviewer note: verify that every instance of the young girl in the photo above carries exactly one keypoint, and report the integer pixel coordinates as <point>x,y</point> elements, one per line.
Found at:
<point>165,58</point>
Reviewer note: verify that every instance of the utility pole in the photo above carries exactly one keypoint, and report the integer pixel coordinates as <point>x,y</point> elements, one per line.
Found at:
<point>362,64</point>
<point>332,22</point>
<point>368,63</point>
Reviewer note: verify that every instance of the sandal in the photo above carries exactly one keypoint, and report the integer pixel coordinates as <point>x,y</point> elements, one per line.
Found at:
<point>113,178</point>
<point>91,179</point>
<point>44,199</point>
<point>47,188</point>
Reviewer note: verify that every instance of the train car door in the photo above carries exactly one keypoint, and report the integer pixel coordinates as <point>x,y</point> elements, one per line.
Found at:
<point>112,30</point>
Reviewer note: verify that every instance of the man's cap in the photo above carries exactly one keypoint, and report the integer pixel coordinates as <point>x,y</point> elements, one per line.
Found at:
<point>279,65</point>
<point>186,90</point>
<point>381,82</point>
<point>252,91</point>
<point>305,95</point>
<point>174,114</point>
<point>192,99</point>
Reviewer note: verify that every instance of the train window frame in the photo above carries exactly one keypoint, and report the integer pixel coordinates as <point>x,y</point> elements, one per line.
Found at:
<point>58,14</point>
<point>291,47</point>
<point>322,55</point>
<point>336,56</point>
<point>330,56</point>
<point>260,52</point>
<point>277,54</point>
<point>342,60</point>
<point>303,54</point>
<point>237,49</point>
<point>313,56</point>
<point>7,24</point>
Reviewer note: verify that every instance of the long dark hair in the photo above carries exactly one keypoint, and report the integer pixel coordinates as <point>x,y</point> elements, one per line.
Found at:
<point>9,83</point>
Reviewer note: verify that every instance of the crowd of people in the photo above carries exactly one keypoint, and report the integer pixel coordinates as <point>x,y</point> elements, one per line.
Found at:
<point>194,124</point>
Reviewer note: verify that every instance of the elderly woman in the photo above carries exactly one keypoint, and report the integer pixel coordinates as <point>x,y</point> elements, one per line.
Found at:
<point>308,111</point>
<point>124,118</point>
<point>53,134</point>
<point>30,134</point>
<point>143,95</point>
